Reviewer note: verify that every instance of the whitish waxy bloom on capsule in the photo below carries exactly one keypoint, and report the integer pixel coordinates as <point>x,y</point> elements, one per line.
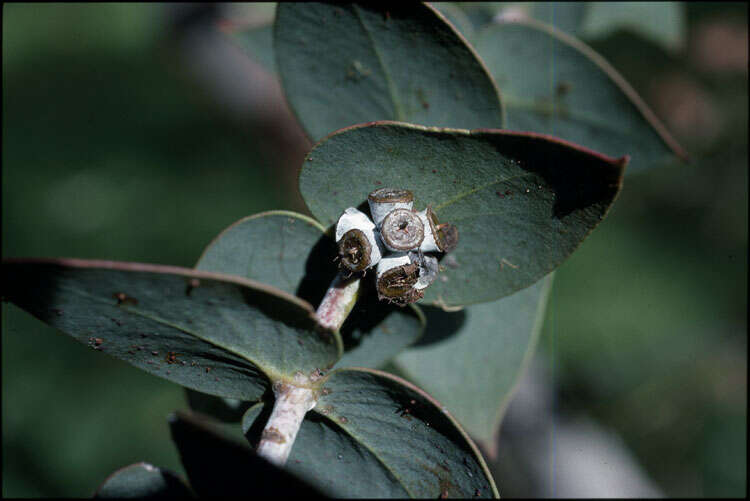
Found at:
<point>396,241</point>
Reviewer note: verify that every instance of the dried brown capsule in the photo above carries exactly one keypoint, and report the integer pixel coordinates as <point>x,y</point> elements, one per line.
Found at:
<point>447,237</point>
<point>355,250</point>
<point>402,230</point>
<point>437,237</point>
<point>397,276</point>
<point>385,200</point>
<point>358,246</point>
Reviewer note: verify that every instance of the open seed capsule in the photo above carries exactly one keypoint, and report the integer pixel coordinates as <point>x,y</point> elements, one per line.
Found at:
<point>385,200</point>
<point>358,247</point>
<point>396,278</point>
<point>402,230</point>
<point>437,237</point>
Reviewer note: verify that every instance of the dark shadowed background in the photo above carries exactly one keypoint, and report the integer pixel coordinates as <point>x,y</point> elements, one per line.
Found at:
<point>134,132</point>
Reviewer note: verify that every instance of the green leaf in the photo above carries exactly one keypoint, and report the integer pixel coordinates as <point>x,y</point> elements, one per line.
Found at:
<point>342,64</point>
<point>291,251</point>
<point>375,332</point>
<point>555,84</point>
<point>176,323</point>
<point>521,202</point>
<point>472,360</point>
<point>143,480</point>
<point>217,465</point>
<point>661,22</point>
<point>372,434</point>
<point>283,249</point>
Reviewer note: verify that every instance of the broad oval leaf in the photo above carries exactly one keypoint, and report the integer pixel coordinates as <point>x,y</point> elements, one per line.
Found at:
<point>555,84</point>
<point>472,360</point>
<point>218,334</point>
<point>279,248</point>
<point>143,481</point>
<point>217,465</point>
<point>372,434</point>
<point>342,64</point>
<point>292,252</point>
<point>521,202</point>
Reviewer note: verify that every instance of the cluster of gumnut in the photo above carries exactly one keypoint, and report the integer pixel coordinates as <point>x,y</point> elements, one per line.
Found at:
<point>397,241</point>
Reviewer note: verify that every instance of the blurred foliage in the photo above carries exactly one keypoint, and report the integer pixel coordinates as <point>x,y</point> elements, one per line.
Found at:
<point>647,320</point>
<point>112,150</point>
<point>109,151</point>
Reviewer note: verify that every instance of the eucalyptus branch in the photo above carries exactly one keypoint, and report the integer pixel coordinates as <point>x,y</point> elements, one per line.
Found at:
<point>289,409</point>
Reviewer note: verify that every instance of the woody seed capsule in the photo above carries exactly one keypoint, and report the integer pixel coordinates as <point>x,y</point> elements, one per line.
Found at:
<point>396,277</point>
<point>402,230</point>
<point>385,200</point>
<point>437,237</point>
<point>358,247</point>
<point>428,269</point>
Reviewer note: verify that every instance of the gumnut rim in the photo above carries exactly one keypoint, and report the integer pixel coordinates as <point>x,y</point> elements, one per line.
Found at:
<point>402,230</point>
<point>397,241</point>
<point>354,251</point>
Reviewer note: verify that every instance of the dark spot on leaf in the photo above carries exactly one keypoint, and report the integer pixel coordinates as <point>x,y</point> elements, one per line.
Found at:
<point>434,171</point>
<point>143,335</point>
<point>123,298</point>
<point>378,182</point>
<point>499,194</point>
<point>172,357</point>
<point>116,321</point>
<point>155,353</point>
<point>563,88</point>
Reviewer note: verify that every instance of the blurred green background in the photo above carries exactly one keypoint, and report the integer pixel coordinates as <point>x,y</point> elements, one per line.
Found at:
<point>128,135</point>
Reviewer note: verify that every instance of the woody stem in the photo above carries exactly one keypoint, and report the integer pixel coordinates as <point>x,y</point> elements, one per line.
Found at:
<point>289,409</point>
<point>295,399</point>
<point>338,301</point>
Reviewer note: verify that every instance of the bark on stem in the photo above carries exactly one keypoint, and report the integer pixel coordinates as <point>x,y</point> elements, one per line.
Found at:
<point>289,409</point>
<point>295,399</point>
<point>338,301</point>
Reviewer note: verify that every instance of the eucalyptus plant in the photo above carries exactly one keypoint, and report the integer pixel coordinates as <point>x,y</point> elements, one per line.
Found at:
<point>280,328</point>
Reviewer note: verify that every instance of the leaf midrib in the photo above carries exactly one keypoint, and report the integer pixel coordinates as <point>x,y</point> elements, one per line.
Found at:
<point>465,194</point>
<point>397,108</point>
